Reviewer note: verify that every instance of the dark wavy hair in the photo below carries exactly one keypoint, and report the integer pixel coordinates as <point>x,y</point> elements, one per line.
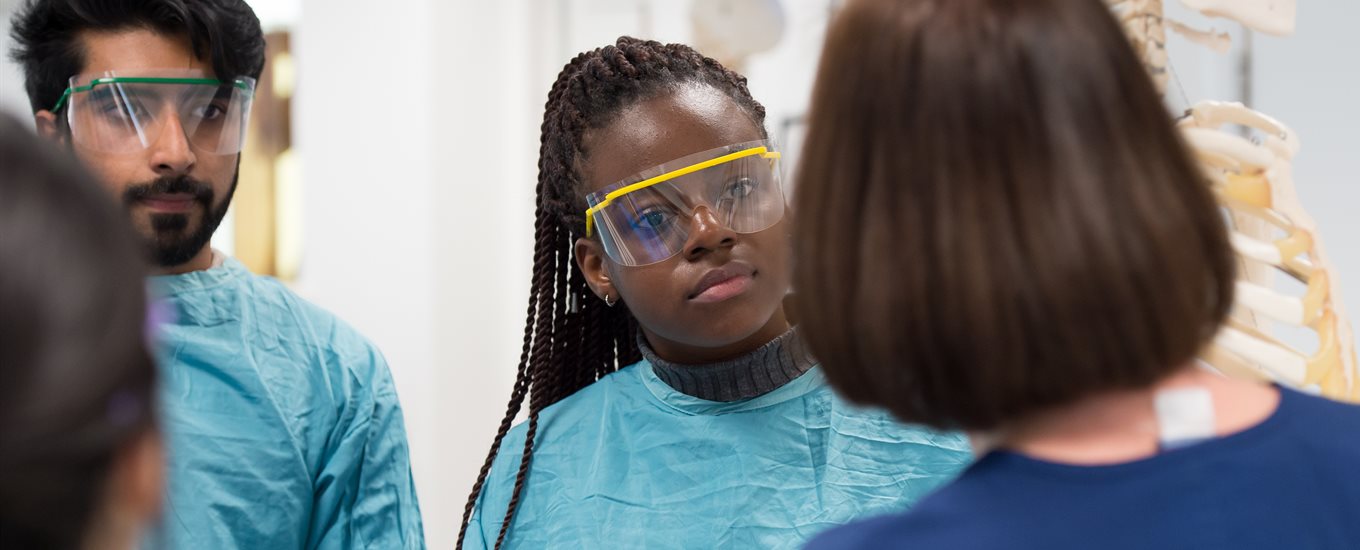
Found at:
<point>46,34</point>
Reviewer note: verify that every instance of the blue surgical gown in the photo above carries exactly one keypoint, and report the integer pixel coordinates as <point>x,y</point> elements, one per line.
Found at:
<point>628,462</point>
<point>282,424</point>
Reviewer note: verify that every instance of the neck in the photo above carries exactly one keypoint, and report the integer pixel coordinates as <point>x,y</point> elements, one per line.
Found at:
<point>1122,426</point>
<point>201,261</point>
<point>755,373</point>
<point>678,352</point>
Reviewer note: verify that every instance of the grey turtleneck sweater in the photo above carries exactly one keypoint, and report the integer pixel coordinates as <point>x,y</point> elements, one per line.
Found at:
<point>753,374</point>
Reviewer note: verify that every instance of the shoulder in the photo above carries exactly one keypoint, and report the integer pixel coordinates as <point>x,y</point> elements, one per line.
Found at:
<point>270,294</point>
<point>867,534</point>
<point>914,529</point>
<point>1320,426</point>
<point>322,348</point>
<point>276,304</point>
<point>592,401</point>
<point>1308,407</point>
<point>949,518</point>
<point>879,425</point>
<point>550,453</point>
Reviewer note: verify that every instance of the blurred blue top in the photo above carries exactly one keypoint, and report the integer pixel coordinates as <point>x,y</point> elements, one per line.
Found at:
<point>1292,481</point>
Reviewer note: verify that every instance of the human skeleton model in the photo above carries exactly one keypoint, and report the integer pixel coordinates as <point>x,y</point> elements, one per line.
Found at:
<point>1273,236</point>
<point>1146,27</point>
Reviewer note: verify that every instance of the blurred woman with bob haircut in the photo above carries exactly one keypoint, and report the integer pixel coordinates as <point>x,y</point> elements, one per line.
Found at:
<point>1000,231</point>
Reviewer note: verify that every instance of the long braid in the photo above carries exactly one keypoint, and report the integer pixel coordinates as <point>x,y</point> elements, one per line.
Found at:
<point>522,375</point>
<point>571,339</point>
<point>540,367</point>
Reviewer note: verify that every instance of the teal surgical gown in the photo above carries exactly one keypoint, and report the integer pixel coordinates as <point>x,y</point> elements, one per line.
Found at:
<point>628,462</point>
<point>281,422</point>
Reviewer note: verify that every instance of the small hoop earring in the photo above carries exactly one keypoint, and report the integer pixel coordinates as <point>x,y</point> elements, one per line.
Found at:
<point>608,300</point>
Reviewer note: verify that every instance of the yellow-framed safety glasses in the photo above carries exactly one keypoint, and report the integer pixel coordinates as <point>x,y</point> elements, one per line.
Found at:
<point>646,218</point>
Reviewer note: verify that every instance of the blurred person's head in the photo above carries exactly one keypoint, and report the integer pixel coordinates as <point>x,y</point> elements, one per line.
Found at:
<point>997,216</point>
<point>80,456</point>
<point>155,134</point>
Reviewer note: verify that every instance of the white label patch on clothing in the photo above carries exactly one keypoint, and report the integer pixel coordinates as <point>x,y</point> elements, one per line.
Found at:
<point>1185,416</point>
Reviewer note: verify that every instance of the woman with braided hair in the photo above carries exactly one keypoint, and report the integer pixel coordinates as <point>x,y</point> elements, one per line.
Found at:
<point>671,404</point>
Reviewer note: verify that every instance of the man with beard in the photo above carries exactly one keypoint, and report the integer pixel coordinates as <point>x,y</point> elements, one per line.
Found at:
<point>283,425</point>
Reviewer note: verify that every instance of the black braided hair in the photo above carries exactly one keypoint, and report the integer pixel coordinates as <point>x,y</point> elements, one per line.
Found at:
<point>571,339</point>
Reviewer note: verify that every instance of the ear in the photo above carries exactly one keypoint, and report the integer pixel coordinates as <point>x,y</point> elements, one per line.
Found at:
<point>45,122</point>
<point>590,259</point>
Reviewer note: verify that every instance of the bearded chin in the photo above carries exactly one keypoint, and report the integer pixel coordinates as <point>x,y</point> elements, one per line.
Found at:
<point>173,242</point>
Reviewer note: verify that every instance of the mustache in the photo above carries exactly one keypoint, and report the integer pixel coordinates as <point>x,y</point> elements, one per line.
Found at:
<point>201,191</point>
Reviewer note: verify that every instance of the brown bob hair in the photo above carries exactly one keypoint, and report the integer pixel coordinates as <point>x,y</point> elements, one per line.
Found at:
<point>996,215</point>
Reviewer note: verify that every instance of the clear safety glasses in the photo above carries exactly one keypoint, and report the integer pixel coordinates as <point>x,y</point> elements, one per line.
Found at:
<point>125,113</point>
<point>647,218</point>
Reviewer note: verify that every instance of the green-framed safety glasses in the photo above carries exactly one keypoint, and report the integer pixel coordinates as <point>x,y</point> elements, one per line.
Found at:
<point>126,112</point>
